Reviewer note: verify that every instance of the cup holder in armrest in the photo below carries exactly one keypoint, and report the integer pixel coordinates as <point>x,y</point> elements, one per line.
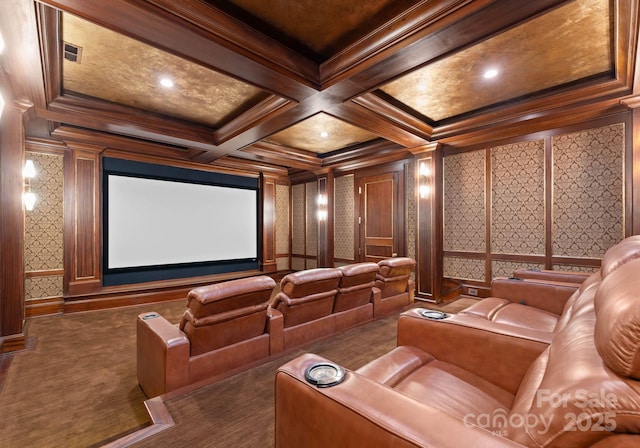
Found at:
<point>433,314</point>
<point>324,374</point>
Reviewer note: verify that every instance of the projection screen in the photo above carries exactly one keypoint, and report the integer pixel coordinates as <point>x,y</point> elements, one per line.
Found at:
<point>164,228</point>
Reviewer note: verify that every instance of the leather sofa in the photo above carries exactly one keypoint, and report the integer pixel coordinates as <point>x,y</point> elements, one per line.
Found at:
<point>451,385</point>
<point>305,302</point>
<point>356,295</point>
<point>545,302</point>
<point>225,326</point>
<point>551,275</point>
<point>231,325</point>
<point>395,284</point>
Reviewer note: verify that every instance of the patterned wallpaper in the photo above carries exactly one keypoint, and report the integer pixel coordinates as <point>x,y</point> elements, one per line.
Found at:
<point>500,268</point>
<point>42,287</point>
<point>573,268</point>
<point>297,263</point>
<point>464,268</point>
<point>312,218</point>
<point>588,208</point>
<point>43,245</point>
<point>517,199</point>
<point>412,222</point>
<point>297,225</point>
<point>282,263</point>
<point>464,199</point>
<point>282,219</point>
<point>343,217</point>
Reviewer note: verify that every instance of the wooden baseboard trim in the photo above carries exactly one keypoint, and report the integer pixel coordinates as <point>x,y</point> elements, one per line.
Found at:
<point>160,420</point>
<point>12,343</point>
<point>44,307</point>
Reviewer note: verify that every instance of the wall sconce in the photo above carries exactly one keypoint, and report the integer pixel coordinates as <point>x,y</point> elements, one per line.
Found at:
<point>323,201</point>
<point>28,197</point>
<point>424,174</point>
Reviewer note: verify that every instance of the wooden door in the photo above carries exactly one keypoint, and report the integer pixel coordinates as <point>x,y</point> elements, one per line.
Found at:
<point>380,233</point>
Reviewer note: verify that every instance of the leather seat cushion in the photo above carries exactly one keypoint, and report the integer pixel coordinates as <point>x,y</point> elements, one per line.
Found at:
<point>526,317</point>
<point>505,312</point>
<point>444,386</point>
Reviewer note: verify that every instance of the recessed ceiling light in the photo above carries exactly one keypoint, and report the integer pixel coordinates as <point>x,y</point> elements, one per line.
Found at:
<point>324,134</point>
<point>491,73</point>
<point>166,82</point>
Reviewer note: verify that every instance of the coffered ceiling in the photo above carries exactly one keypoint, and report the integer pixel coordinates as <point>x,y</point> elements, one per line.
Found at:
<point>311,85</point>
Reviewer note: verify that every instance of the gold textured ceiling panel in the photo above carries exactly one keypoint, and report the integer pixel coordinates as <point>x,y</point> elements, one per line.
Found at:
<point>326,26</point>
<point>306,134</point>
<point>567,44</point>
<point>116,68</point>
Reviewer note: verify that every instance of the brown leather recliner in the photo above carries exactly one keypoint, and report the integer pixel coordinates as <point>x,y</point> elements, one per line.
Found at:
<point>356,295</point>
<point>225,326</point>
<point>543,304</point>
<point>551,275</point>
<point>395,285</point>
<point>442,388</point>
<point>304,305</point>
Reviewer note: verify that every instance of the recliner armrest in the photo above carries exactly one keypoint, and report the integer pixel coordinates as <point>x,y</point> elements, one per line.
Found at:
<point>163,352</point>
<point>552,275</point>
<point>275,328</point>
<point>498,353</point>
<point>411,289</point>
<point>362,412</point>
<point>545,295</point>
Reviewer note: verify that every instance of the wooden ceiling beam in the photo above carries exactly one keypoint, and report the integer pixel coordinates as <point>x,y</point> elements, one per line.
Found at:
<point>364,118</point>
<point>161,28</point>
<point>282,155</point>
<point>341,86</point>
<point>20,60</point>
<point>379,104</point>
<point>97,115</point>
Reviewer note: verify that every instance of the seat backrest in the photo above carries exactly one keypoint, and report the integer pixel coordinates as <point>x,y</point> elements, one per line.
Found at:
<point>307,295</point>
<point>555,275</point>
<point>616,256</point>
<point>623,252</point>
<point>356,286</point>
<point>584,386</point>
<point>393,275</point>
<point>225,313</point>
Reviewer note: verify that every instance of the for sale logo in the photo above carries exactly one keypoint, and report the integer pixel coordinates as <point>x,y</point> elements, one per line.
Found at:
<point>596,414</point>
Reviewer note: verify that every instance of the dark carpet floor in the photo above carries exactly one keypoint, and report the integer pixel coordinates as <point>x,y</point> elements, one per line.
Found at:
<point>76,384</point>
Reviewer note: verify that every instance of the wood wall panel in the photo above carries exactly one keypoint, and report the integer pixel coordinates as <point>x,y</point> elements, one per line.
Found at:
<point>268,225</point>
<point>11,229</point>
<point>86,261</point>
<point>82,221</point>
<point>423,176</point>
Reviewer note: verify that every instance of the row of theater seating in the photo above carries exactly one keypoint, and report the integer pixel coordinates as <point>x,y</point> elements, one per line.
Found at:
<point>545,362</point>
<point>233,324</point>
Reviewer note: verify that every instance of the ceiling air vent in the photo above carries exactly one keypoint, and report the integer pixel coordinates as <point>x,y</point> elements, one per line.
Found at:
<point>72,52</point>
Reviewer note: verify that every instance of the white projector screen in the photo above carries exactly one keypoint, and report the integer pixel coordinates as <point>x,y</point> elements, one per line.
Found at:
<point>158,222</point>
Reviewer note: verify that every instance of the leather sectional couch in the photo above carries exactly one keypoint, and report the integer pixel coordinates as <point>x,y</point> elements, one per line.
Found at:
<point>231,325</point>
<point>480,382</point>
